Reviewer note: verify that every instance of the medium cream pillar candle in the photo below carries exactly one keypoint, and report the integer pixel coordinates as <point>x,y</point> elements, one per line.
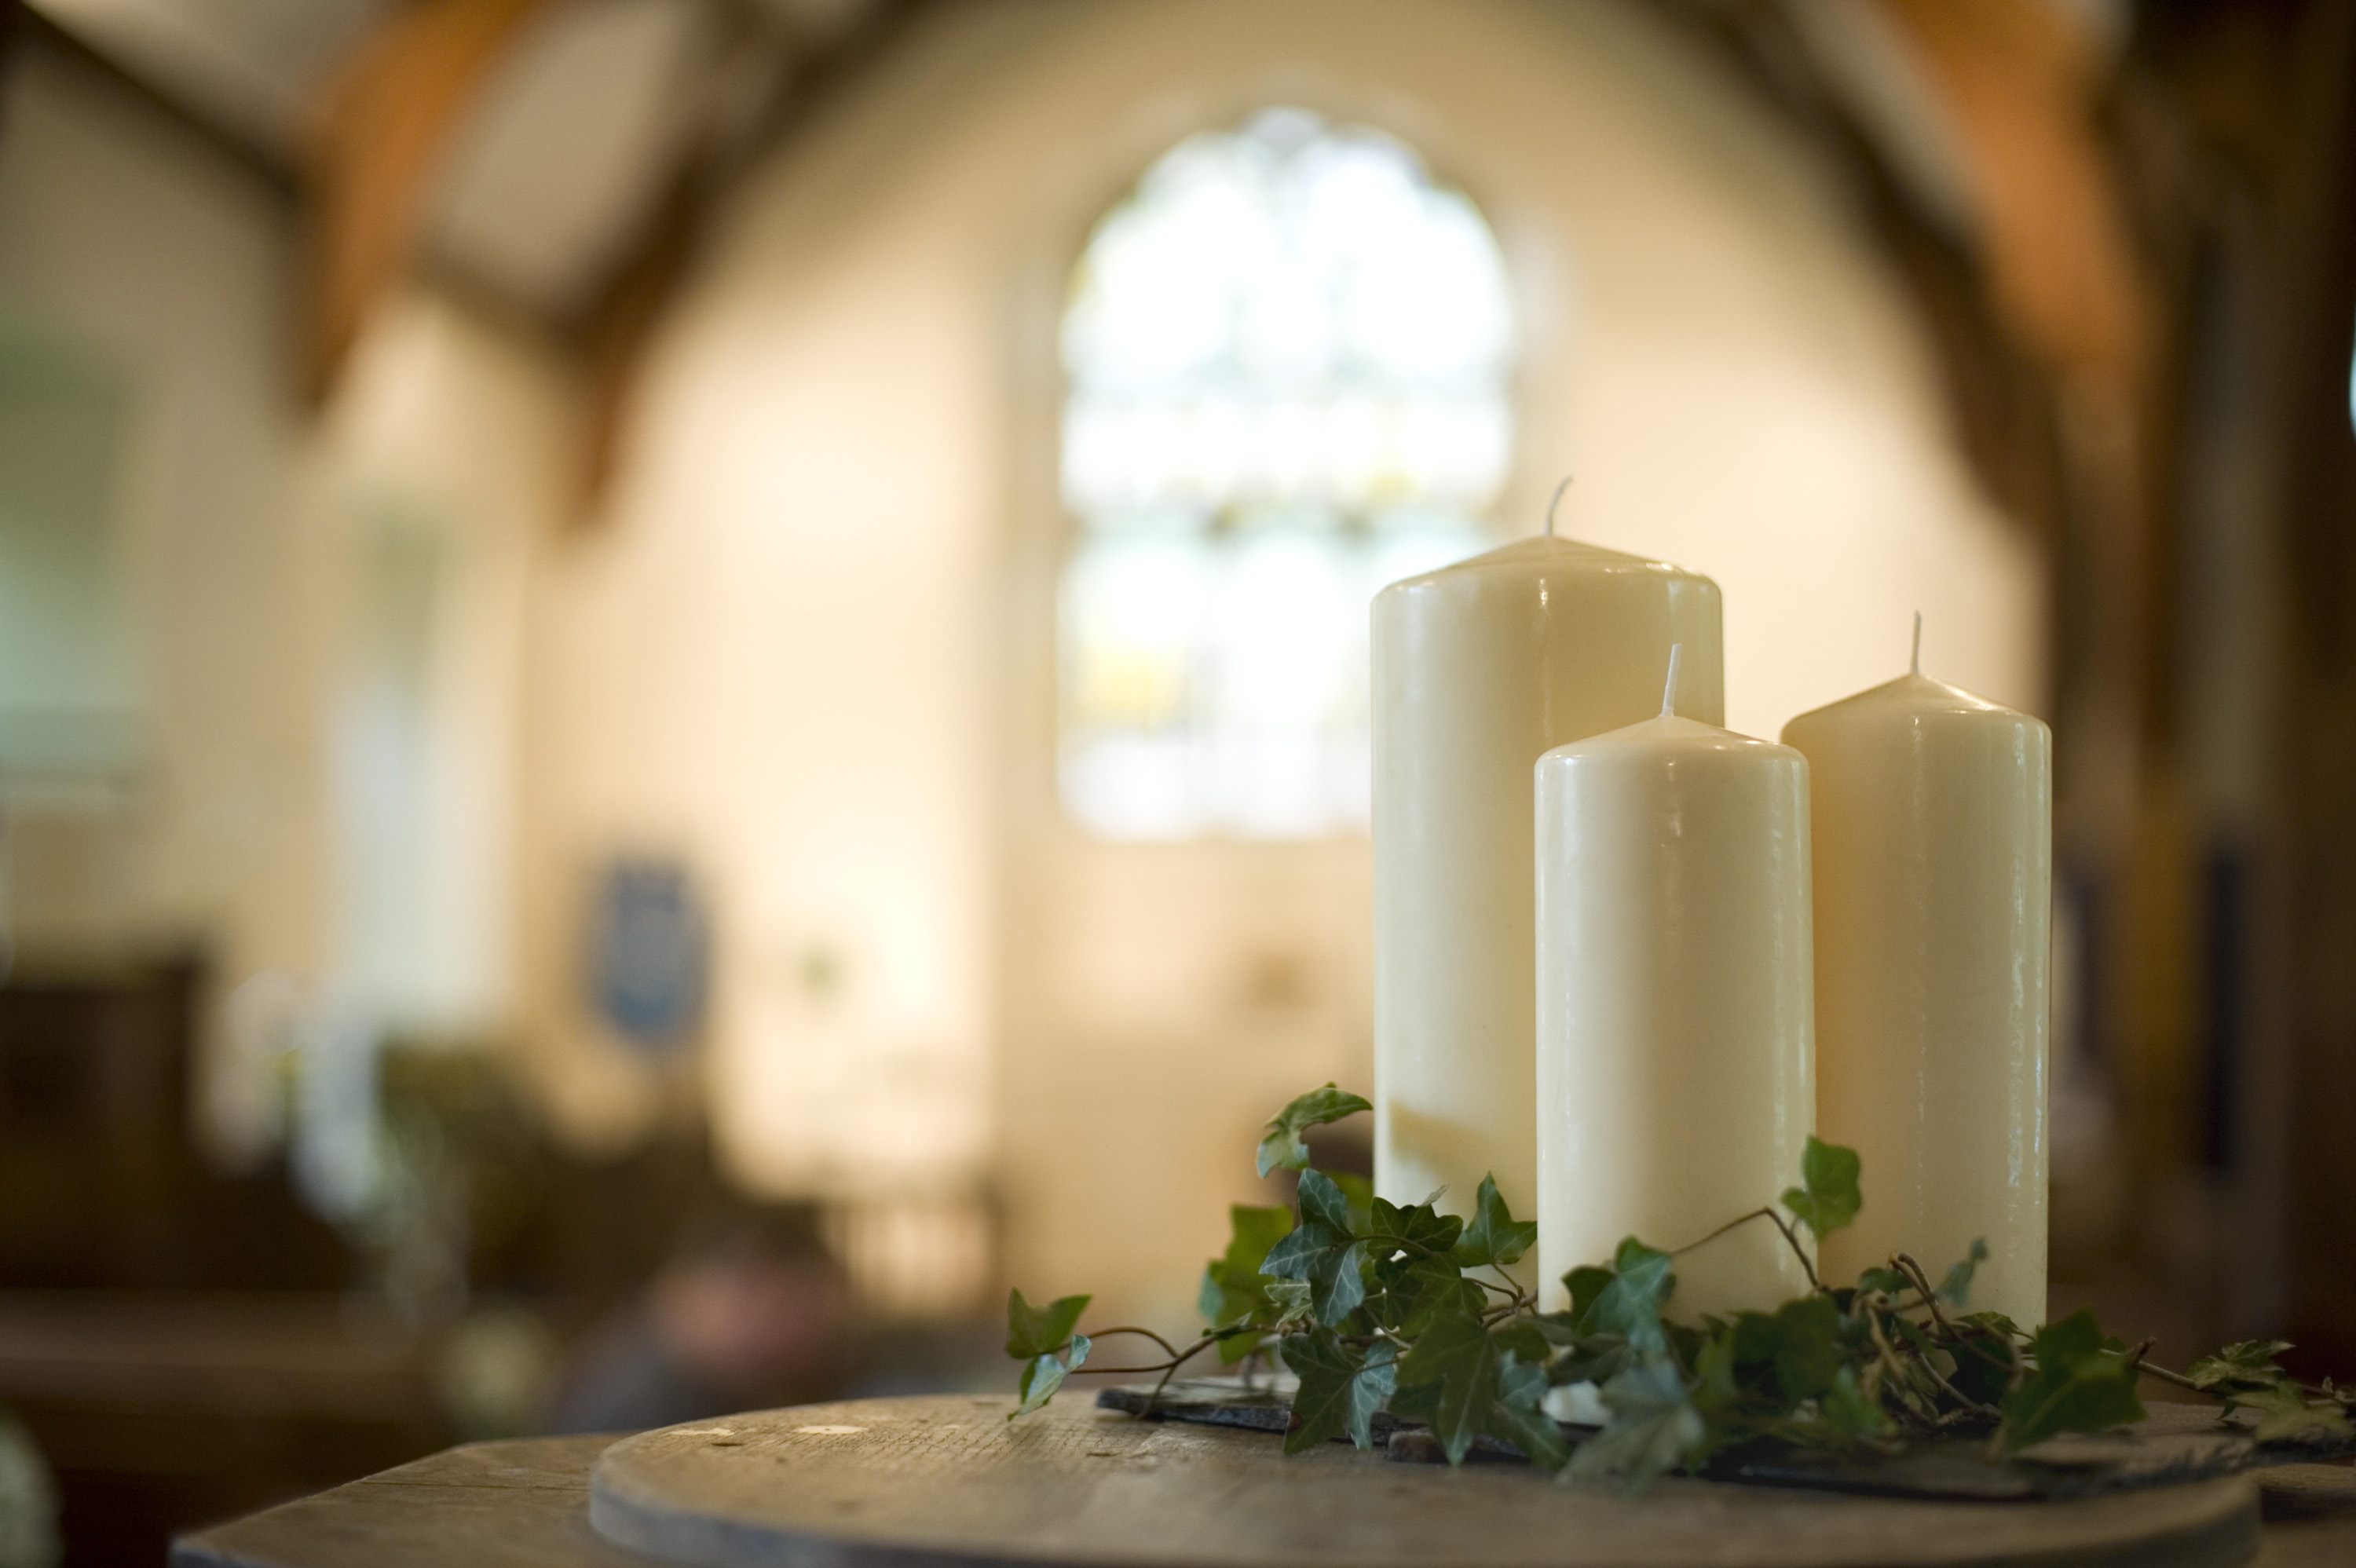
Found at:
<point>1479,667</point>
<point>1934,885</point>
<point>1673,1017</point>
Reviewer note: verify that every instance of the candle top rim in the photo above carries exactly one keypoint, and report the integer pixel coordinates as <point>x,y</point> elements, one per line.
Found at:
<point>1551,550</point>
<point>1671,733</point>
<point>1916,693</point>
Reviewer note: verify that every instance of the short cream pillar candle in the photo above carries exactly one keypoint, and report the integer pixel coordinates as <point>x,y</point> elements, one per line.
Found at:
<point>1675,1064</point>
<point>1933,887</point>
<point>1479,667</point>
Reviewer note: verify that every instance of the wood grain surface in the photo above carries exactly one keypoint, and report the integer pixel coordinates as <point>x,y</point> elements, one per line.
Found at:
<point>949,1481</point>
<point>519,1504</point>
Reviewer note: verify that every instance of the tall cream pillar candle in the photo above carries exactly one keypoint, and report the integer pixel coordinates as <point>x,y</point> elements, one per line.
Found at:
<point>1479,667</point>
<point>1674,1022</point>
<point>1933,884</point>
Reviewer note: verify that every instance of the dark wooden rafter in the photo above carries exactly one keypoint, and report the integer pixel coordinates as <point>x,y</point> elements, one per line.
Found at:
<point>379,141</point>
<point>613,333</point>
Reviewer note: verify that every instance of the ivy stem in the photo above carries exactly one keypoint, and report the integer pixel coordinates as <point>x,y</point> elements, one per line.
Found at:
<point>1167,1348</point>
<point>2137,1365</point>
<point>1773,1217</point>
<point>1913,1270</point>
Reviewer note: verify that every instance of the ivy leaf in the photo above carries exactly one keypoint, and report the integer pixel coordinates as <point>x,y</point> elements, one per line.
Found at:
<point>1034,1331</point>
<point>1653,1427</point>
<point>1955,1290</point>
<point>1585,1283</point>
<point>1043,1375</point>
<point>1629,1303</point>
<point>2075,1387</point>
<point>1715,1393</point>
<point>1596,1359</point>
<point>1456,1356</point>
<point>1830,1199</point>
<point>1323,1251</point>
<point>1233,1290</point>
<point>2247,1361</point>
<point>1421,1230</point>
<point>1424,1289</point>
<point>1251,1232</point>
<point>1341,1388</point>
<point>2283,1411</point>
<point>1847,1409</point>
<point>1799,1345</point>
<point>1887,1281</point>
<point>1493,1236</point>
<point>1358,1194</point>
<point>1282,1144</point>
<point>1983,1349</point>
<point>1291,1299</point>
<point>1520,1337</point>
<point>1519,1414</point>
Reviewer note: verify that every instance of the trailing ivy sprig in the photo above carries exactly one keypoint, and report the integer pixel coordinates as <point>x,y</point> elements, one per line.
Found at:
<point>1376,1306</point>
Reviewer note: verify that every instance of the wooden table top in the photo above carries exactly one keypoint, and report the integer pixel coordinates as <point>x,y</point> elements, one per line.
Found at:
<point>946,1480</point>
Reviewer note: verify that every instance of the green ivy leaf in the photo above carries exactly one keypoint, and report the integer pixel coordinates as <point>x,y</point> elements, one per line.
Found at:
<point>1629,1303</point>
<point>1798,1345</point>
<point>2284,1411</point>
<point>1456,1356</point>
<point>1358,1195</point>
<point>1887,1281</point>
<point>1034,1331</point>
<point>1586,1282</point>
<point>1830,1199</point>
<point>1417,1291</point>
<point>1519,1415</point>
<point>1291,1299</point>
<point>1594,1359</point>
<point>1984,1350</point>
<point>1282,1144</point>
<point>1955,1290</point>
<point>1233,1290</point>
<point>1251,1232</point>
<point>1653,1427</point>
<point>1341,1388</point>
<point>1421,1229</point>
<point>1847,1409</point>
<point>2247,1361</point>
<point>1043,1375</point>
<point>1493,1236</point>
<point>1323,1251</point>
<point>2074,1388</point>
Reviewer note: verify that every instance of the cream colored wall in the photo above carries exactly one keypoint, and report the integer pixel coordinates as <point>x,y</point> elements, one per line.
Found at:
<point>811,642</point>
<point>242,514</point>
<point>467,430</point>
<point>120,228</point>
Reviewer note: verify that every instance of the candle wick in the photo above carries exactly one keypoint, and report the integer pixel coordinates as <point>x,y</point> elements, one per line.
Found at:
<point>1556,502</point>
<point>1918,642</point>
<point>1669,692</point>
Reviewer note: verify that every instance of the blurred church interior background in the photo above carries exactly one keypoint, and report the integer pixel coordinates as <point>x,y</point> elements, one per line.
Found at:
<point>682,681</point>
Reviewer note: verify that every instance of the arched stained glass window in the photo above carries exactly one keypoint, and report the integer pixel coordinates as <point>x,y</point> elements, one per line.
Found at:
<point>1287,354</point>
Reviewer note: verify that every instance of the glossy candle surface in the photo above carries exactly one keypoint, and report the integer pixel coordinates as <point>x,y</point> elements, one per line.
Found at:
<point>1478,669</point>
<point>1934,886</point>
<point>1674,1023</point>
